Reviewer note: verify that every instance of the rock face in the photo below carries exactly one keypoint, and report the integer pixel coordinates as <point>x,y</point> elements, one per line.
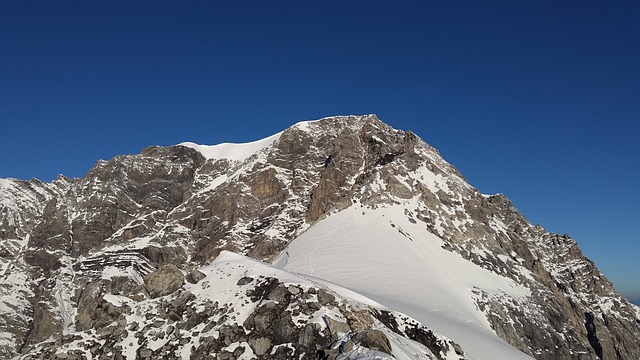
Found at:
<point>118,264</point>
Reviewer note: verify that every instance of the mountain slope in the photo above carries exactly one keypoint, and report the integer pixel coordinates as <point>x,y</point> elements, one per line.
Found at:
<point>418,262</point>
<point>380,253</point>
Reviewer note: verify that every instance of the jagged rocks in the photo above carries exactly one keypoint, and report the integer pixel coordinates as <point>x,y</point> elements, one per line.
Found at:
<point>271,319</point>
<point>167,255</point>
<point>410,328</point>
<point>97,313</point>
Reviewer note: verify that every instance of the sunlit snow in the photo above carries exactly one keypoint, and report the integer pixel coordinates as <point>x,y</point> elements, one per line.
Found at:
<point>231,151</point>
<point>363,250</point>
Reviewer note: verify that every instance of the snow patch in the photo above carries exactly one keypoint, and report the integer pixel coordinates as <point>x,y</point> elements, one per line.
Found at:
<point>233,151</point>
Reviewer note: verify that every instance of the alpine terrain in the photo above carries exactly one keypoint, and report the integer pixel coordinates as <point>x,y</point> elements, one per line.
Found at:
<point>340,238</point>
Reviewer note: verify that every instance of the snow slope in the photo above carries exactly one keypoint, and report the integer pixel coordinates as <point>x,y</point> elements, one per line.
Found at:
<point>234,266</point>
<point>406,270</point>
<point>232,151</point>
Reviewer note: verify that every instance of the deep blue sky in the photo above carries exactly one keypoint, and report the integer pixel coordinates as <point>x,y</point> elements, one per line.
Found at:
<point>539,100</point>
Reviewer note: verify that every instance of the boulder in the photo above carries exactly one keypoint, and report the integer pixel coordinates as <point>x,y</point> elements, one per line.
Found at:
<point>260,346</point>
<point>373,339</point>
<point>163,281</point>
<point>325,298</point>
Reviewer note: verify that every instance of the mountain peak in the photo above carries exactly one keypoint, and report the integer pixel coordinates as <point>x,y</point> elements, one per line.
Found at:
<point>378,248</point>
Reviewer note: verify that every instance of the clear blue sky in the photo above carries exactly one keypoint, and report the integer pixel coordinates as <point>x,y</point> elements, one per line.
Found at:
<point>539,100</point>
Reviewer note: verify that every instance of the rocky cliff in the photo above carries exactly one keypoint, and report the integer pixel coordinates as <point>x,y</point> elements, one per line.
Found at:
<point>143,257</point>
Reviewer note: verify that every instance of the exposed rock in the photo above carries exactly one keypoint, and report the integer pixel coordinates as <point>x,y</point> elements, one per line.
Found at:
<point>260,346</point>
<point>279,294</point>
<point>360,319</point>
<point>244,281</point>
<point>373,339</point>
<point>164,281</point>
<point>182,299</point>
<point>194,276</point>
<point>324,297</point>
<point>309,336</point>
<point>43,259</point>
<point>336,326</point>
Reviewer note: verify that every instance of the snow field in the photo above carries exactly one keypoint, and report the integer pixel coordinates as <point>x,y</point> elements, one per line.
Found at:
<point>407,270</point>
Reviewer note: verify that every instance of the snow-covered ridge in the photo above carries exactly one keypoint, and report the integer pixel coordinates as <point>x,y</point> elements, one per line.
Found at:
<point>241,151</point>
<point>307,124</point>
<point>233,151</point>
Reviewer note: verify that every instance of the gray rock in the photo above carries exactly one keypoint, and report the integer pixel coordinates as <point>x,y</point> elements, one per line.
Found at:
<point>244,281</point>
<point>195,276</point>
<point>260,346</point>
<point>284,331</point>
<point>336,326</point>
<point>325,298</point>
<point>310,337</point>
<point>279,294</point>
<point>373,339</point>
<point>164,281</point>
<point>182,299</point>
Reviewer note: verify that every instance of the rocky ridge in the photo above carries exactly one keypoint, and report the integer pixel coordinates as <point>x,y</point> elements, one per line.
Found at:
<point>234,308</point>
<point>82,260</point>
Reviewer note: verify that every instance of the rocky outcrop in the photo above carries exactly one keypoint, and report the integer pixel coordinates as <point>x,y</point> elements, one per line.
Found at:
<point>265,319</point>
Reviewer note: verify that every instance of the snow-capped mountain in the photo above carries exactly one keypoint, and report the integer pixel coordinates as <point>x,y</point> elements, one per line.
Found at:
<point>340,238</point>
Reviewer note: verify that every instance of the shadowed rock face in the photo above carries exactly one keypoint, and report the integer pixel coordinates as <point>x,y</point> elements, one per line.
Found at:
<point>139,225</point>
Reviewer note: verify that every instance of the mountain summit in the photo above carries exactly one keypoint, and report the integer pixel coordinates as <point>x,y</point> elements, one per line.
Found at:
<point>339,238</point>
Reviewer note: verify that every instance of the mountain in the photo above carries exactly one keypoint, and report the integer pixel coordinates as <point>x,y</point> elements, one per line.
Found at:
<point>340,238</point>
